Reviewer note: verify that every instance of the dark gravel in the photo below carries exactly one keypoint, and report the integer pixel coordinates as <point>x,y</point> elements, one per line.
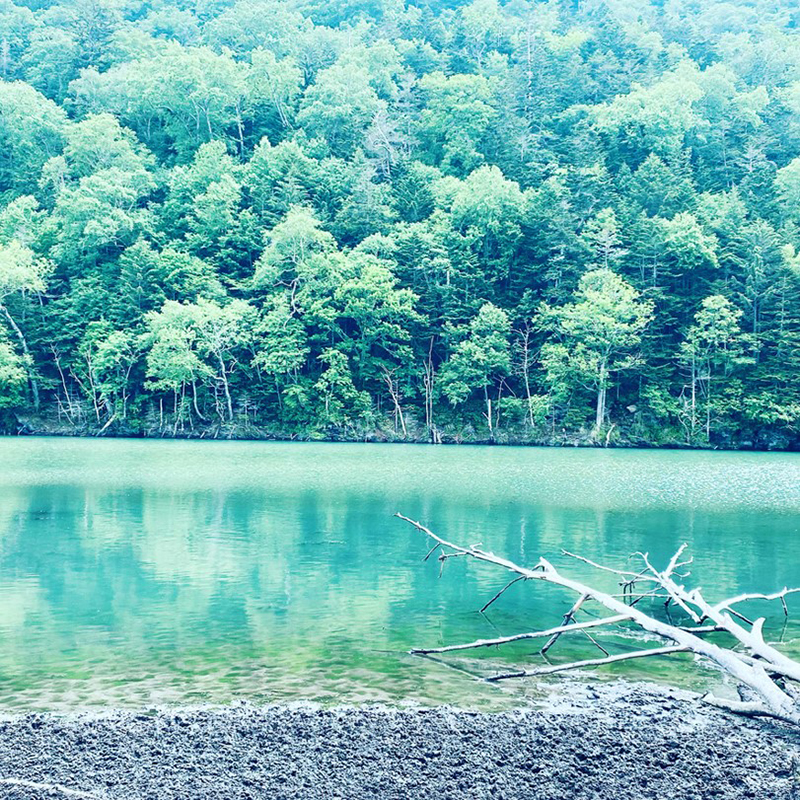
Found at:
<point>602,743</point>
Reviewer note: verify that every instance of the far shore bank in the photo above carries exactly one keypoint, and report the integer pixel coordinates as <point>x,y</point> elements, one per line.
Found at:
<point>612,741</point>
<point>463,437</point>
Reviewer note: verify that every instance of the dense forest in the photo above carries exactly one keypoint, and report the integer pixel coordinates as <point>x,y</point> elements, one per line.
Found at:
<point>558,222</point>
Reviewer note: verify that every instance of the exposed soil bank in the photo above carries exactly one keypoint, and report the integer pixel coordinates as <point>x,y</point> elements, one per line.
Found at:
<point>772,443</point>
<point>514,435</point>
<point>601,743</point>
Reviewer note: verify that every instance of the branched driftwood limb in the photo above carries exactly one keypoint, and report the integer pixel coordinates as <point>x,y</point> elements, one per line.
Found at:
<point>590,662</point>
<point>568,617</point>
<point>743,598</point>
<point>768,679</point>
<point>578,626</point>
<point>52,788</point>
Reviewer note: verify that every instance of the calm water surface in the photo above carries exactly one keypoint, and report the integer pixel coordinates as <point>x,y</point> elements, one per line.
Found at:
<point>143,572</point>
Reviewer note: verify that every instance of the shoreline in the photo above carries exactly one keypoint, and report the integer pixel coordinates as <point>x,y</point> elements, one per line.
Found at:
<point>378,438</point>
<point>618,741</point>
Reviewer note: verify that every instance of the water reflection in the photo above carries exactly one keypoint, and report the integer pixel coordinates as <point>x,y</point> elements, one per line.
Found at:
<point>142,572</point>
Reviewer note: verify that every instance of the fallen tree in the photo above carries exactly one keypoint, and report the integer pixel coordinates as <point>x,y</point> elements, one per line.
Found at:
<point>768,680</point>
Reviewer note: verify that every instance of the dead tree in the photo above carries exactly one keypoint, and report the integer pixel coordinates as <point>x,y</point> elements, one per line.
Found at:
<point>768,680</point>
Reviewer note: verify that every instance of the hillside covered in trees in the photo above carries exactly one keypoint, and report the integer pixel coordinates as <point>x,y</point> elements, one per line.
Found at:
<point>546,222</point>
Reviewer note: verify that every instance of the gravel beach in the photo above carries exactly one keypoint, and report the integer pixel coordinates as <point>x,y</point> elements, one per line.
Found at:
<point>591,742</point>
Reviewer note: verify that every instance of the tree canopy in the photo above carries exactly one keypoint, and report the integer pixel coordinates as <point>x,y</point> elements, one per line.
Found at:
<point>530,221</point>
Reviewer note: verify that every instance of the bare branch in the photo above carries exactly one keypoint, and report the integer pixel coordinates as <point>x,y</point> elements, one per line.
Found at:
<point>596,643</point>
<point>725,605</point>
<point>747,708</point>
<point>568,617</point>
<point>673,562</point>
<point>578,626</point>
<point>772,669</point>
<point>622,572</point>
<point>432,551</point>
<point>591,662</point>
<point>507,586</point>
<point>676,593</point>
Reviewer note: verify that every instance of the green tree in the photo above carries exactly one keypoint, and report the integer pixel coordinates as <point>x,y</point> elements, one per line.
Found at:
<point>197,342</point>
<point>276,84</point>
<point>173,361</point>
<point>176,99</point>
<point>787,183</point>
<point>480,357</point>
<point>13,375</point>
<point>489,211</point>
<point>713,344</point>
<point>456,118</point>
<point>342,403</point>
<point>280,341</point>
<point>596,336</point>
<point>293,248</point>
<point>31,131</point>
<point>109,357</point>
<point>222,333</point>
<point>20,272</point>
<point>339,107</point>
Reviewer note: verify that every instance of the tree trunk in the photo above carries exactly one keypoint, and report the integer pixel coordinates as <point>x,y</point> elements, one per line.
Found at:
<point>194,401</point>
<point>24,344</point>
<point>525,373</point>
<point>240,128</point>
<point>428,381</point>
<point>602,389</point>
<point>763,671</point>
<point>488,414</point>
<point>694,395</point>
<point>224,375</point>
<point>394,393</point>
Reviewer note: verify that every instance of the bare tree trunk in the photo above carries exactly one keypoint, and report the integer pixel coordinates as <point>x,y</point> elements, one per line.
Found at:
<point>240,128</point>
<point>224,375</point>
<point>394,392</point>
<point>90,375</point>
<point>175,416</point>
<point>25,349</point>
<point>526,370</point>
<point>107,425</point>
<point>488,413</point>
<point>601,409</point>
<point>67,397</point>
<point>767,674</point>
<point>194,401</point>
<point>694,395</point>
<point>428,381</point>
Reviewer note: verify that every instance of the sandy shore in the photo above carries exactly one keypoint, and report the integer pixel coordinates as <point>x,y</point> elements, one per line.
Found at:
<point>601,742</point>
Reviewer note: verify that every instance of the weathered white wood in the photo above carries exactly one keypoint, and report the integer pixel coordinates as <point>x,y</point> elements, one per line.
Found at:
<point>750,670</point>
<point>589,662</point>
<point>580,626</point>
<point>52,787</point>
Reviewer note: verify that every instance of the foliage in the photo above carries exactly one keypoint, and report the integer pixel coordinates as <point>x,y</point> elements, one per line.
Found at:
<point>543,222</point>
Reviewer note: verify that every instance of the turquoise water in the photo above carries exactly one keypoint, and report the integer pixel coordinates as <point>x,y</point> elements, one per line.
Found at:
<point>147,572</point>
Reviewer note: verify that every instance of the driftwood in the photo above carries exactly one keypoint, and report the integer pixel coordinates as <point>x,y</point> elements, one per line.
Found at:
<point>768,680</point>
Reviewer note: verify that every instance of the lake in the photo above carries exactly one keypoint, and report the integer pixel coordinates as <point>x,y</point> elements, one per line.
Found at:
<point>136,573</point>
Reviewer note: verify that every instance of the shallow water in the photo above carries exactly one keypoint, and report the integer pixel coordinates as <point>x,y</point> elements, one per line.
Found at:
<point>147,572</point>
